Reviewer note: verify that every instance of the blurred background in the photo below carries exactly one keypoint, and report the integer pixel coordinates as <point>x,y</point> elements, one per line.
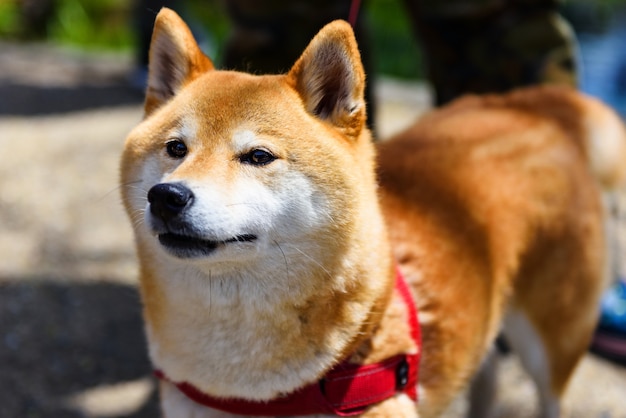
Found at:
<point>71,336</point>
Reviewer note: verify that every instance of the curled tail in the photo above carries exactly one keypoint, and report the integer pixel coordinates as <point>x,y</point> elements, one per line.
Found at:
<point>606,143</point>
<point>606,152</point>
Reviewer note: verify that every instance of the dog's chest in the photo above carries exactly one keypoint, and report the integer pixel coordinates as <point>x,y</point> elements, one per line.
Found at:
<point>234,346</point>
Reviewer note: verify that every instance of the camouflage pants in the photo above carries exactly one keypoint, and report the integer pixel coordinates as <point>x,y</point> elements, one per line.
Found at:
<point>470,45</point>
<point>485,46</point>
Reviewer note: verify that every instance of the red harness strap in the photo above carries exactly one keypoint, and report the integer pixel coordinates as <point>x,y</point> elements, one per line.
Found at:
<point>346,390</point>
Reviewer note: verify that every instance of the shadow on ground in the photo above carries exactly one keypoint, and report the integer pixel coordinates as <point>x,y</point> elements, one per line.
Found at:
<point>34,100</point>
<point>43,79</point>
<point>60,340</point>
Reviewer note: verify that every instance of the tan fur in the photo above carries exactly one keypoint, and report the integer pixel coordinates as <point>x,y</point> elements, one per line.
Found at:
<point>492,203</point>
<point>489,205</point>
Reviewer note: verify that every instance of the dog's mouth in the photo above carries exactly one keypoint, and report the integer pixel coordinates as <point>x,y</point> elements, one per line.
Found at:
<point>185,246</point>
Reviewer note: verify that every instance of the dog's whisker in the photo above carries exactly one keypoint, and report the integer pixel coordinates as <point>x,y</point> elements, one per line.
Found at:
<point>210,290</point>
<point>313,260</point>
<point>137,217</point>
<point>253,204</point>
<point>286,262</point>
<point>128,184</point>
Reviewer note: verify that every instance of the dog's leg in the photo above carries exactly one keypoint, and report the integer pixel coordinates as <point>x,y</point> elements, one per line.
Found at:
<point>525,341</point>
<point>483,390</point>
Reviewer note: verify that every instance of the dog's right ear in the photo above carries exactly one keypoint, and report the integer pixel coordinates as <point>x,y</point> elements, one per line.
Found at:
<point>175,59</point>
<point>330,79</point>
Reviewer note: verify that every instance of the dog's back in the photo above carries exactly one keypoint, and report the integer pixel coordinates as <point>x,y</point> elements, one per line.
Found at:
<point>489,202</point>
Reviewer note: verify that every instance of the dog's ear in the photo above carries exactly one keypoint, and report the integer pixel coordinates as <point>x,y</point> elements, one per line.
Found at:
<point>175,59</point>
<point>329,77</point>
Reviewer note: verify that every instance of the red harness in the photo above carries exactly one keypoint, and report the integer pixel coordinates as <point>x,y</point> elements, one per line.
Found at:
<point>346,390</point>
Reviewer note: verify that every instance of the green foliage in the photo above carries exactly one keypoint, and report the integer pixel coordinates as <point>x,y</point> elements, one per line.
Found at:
<point>395,49</point>
<point>92,23</point>
<point>9,18</point>
<point>83,23</point>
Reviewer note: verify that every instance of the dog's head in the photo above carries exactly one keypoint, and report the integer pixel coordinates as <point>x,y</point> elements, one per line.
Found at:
<point>253,200</point>
<point>227,167</point>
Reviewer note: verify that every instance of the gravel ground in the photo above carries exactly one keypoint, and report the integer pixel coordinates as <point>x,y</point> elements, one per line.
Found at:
<point>71,338</point>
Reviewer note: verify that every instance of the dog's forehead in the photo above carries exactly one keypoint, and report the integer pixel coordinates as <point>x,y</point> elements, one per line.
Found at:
<point>235,92</point>
<point>225,102</point>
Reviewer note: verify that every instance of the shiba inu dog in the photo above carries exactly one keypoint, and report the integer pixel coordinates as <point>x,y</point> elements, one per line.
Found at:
<point>270,231</point>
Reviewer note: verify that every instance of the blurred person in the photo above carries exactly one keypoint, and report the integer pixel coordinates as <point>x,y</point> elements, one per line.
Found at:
<point>35,17</point>
<point>471,46</point>
<point>486,46</point>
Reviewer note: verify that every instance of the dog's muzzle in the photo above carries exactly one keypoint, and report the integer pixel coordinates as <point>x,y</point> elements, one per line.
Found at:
<point>169,203</point>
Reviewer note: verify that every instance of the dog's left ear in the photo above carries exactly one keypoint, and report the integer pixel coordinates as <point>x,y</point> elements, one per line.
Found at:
<point>329,77</point>
<point>175,59</point>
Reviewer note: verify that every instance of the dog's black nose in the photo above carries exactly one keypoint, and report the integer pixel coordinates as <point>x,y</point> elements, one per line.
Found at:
<point>168,200</point>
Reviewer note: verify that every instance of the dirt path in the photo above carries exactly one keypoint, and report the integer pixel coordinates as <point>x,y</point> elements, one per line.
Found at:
<point>71,339</point>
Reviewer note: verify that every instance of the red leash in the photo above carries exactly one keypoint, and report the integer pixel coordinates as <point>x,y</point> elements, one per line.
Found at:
<point>346,390</point>
<point>354,12</point>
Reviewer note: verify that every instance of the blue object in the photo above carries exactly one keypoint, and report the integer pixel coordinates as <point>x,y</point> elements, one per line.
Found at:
<point>609,340</point>
<point>613,308</point>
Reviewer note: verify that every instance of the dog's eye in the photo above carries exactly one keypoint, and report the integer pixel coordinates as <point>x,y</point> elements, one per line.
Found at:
<point>176,148</point>
<point>257,157</point>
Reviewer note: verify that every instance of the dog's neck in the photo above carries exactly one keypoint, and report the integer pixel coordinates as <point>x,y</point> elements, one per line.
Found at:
<point>259,332</point>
